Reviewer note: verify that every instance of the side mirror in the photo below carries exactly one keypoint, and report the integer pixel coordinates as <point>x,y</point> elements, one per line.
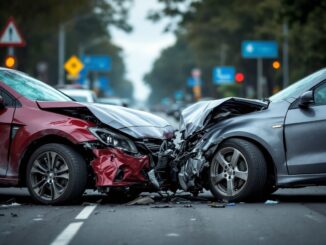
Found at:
<point>306,99</point>
<point>2,102</point>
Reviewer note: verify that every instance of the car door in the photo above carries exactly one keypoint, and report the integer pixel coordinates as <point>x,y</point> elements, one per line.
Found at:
<point>6,118</point>
<point>305,135</point>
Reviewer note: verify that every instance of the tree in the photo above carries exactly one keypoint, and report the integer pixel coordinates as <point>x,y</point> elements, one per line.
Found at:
<point>214,30</point>
<point>170,71</point>
<point>39,21</point>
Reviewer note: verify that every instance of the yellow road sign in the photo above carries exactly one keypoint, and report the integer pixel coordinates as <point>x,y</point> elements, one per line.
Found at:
<point>73,66</point>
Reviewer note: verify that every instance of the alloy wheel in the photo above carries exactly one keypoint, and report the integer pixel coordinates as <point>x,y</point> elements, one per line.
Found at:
<point>49,175</point>
<point>229,171</point>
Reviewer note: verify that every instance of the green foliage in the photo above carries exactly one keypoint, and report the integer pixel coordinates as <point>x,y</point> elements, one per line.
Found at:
<point>84,21</point>
<point>214,30</point>
<point>170,71</point>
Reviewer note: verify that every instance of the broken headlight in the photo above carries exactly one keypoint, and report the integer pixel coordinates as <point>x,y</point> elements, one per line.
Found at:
<point>113,139</point>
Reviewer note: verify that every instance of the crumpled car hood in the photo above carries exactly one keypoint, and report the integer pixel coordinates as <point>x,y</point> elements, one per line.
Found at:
<point>194,117</point>
<point>138,124</point>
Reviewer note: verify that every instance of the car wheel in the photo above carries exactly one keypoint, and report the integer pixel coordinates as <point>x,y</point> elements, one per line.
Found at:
<point>56,174</point>
<point>238,171</point>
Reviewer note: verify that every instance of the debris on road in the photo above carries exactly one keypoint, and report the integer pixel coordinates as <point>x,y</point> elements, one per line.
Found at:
<point>216,205</point>
<point>141,201</point>
<point>231,204</point>
<point>162,206</point>
<point>10,205</point>
<point>187,206</point>
<point>271,202</point>
<point>180,200</point>
<point>14,215</point>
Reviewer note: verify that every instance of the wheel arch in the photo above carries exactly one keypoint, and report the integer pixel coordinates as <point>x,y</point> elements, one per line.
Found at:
<point>48,139</point>
<point>271,165</point>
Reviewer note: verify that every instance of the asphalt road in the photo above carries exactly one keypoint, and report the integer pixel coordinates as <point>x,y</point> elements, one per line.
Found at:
<point>298,218</point>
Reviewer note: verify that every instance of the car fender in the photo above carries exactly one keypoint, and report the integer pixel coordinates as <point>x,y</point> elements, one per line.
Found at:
<point>269,137</point>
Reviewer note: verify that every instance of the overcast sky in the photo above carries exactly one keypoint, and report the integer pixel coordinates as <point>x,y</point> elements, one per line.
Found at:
<point>143,45</point>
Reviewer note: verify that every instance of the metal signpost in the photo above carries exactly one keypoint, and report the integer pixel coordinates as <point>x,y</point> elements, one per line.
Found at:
<point>11,37</point>
<point>259,50</point>
<point>223,75</point>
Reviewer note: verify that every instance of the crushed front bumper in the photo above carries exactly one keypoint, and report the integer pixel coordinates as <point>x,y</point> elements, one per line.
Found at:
<point>115,168</point>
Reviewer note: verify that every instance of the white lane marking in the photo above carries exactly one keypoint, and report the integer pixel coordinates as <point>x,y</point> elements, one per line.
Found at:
<point>67,234</point>
<point>86,212</point>
<point>71,230</point>
<point>314,218</point>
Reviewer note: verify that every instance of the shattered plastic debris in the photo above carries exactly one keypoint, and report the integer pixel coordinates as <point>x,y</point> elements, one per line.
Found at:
<point>14,215</point>
<point>141,201</point>
<point>10,205</point>
<point>180,200</point>
<point>187,206</point>
<point>216,205</point>
<point>231,204</point>
<point>162,206</point>
<point>271,202</point>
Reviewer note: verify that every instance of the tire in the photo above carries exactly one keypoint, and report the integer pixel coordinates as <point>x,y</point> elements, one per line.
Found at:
<point>238,171</point>
<point>56,174</point>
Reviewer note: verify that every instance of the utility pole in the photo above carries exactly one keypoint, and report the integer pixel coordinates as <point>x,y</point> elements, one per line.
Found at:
<point>61,55</point>
<point>285,54</point>
<point>62,45</point>
<point>259,78</point>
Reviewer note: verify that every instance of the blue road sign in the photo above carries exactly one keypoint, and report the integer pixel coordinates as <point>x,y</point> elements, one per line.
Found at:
<point>259,49</point>
<point>191,82</point>
<point>223,75</point>
<point>97,62</point>
<point>103,82</point>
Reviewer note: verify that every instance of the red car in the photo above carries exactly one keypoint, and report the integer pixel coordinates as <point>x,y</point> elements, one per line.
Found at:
<point>58,147</point>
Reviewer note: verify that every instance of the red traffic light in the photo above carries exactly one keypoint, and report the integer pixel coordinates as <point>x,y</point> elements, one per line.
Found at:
<point>239,77</point>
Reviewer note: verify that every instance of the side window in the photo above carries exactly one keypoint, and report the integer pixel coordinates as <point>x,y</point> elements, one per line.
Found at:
<point>9,101</point>
<point>320,95</point>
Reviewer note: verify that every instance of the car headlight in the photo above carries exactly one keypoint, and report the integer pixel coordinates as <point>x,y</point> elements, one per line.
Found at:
<point>113,139</point>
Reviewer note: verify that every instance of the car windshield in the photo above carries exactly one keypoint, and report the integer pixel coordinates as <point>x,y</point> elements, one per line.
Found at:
<point>297,88</point>
<point>79,98</point>
<point>31,88</point>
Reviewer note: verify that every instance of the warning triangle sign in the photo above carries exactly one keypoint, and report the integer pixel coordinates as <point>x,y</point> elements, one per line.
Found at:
<point>10,35</point>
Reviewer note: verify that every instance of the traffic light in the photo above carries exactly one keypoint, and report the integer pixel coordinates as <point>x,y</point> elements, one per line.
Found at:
<point>239,77</point>
<point>276,65</point>
<point>10,61</point>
